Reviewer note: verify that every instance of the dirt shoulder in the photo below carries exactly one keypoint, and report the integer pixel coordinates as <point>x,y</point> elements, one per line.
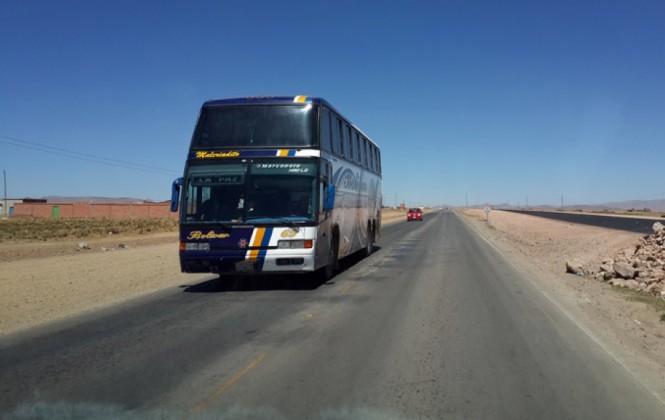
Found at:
<point>630,330</point>
<point>60,248</point>
<point>44,282</point>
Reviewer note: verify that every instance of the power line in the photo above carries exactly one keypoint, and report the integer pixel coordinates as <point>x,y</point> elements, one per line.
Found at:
<point>79,155</point>
<point>83,156</point>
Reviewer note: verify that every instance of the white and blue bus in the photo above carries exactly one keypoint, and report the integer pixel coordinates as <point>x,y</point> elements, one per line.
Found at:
<point>276,185</point>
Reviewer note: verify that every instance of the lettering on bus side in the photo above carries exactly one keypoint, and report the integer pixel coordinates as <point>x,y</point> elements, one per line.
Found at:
<point>287,167</point>
<point>215,155</point>
<point>347,179</point>
<point>197,234</point>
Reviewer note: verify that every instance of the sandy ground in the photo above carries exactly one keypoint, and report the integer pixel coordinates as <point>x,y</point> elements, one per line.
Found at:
<point>43,282</point>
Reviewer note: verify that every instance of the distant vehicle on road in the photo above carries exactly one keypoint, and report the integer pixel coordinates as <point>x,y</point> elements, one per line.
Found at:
<point>414,214</point>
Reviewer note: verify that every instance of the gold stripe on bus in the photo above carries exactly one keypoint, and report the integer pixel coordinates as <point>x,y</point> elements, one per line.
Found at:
<point>258,238</point>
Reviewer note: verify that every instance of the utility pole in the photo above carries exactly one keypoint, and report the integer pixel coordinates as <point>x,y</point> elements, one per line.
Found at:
<point>5,209</point>
<point>562,202</point>
<point>526,205</point>
<point>466,198</point>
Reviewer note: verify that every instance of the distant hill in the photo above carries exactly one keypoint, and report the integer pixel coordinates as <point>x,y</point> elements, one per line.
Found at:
<point>592,207</point>
<point>653,205</point>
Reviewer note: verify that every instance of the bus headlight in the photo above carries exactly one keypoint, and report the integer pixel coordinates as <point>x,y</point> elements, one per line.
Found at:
<point>295,243</point>
<point>196,246</point>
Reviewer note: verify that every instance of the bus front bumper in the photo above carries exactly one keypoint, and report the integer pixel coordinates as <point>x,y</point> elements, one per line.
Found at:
<point>267,262</point>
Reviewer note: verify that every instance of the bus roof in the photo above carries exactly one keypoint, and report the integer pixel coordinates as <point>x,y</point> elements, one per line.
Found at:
<point>267,100</point>
<point>277,100</point>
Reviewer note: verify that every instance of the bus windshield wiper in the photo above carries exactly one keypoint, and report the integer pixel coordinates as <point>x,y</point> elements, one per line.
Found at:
<point>225,225</point>
<point>292,224</point>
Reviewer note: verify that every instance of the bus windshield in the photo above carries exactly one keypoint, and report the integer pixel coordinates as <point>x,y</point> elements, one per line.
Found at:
<point>256,126</point>
<point>258,191</point>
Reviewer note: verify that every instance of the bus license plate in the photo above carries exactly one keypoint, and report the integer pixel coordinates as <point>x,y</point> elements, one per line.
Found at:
<point>245,266</point>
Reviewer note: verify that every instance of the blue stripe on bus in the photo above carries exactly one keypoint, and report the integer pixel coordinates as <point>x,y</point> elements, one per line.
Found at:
<point>258,153</point>
<point>264,247</point>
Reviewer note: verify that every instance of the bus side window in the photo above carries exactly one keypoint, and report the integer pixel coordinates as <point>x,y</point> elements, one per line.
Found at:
<point>342,138</point>
<point>349,142</point>
<point>361,152</point>
<point>378,161</point>
<point>326,173</point>
<point>367,155</point>
<point>374,162</point>
<point>325,137</point>
<point>336,143</point>
<point>373,154</point>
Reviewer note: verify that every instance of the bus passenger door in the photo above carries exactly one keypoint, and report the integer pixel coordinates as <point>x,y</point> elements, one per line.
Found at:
<point>326,189</point>
<point>324,230</point>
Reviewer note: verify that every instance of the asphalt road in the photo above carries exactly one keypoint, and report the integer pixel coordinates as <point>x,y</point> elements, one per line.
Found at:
<point>435,324</point>
<point>629,224</point>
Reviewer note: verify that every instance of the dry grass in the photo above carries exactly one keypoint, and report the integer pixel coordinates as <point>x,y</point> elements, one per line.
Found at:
<point>39,230</point>
<point>657,303</point>
<point>22,229</point>
<point>388,214</point>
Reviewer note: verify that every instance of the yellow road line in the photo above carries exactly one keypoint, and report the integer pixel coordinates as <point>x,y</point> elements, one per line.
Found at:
<point>348,287</point>
<point>219,391</point>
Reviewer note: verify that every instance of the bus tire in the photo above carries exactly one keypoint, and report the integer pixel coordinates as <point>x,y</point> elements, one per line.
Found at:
<point>370,241</point>
<point>333,258</point>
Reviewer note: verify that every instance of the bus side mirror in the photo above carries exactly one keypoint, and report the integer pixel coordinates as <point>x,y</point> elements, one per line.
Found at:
<point>175,194</point>
<point>330,198</point>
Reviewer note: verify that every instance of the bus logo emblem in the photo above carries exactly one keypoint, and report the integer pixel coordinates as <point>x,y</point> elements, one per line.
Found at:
<point>289,233</point>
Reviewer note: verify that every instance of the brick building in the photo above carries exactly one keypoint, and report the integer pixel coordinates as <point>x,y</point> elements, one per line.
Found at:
<point>95,210</point>
<point>7,206</point>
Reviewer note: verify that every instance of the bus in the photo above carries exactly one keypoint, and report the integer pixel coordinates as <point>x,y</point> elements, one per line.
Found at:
<point>276,185</point>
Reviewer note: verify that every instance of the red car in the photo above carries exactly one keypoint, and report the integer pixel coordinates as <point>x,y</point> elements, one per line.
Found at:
<point>414,214</point>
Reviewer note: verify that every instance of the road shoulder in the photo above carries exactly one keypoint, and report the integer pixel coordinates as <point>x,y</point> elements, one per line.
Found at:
<point>630,331</point>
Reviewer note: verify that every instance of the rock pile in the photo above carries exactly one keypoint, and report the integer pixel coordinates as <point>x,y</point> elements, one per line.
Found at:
<point>641,267</point>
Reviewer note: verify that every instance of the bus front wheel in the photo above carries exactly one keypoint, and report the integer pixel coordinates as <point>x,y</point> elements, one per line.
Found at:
<point>333,258</point>
<point>370,241</point>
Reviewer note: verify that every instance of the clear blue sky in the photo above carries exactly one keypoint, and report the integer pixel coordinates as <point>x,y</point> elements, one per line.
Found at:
<point>491,100</point>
